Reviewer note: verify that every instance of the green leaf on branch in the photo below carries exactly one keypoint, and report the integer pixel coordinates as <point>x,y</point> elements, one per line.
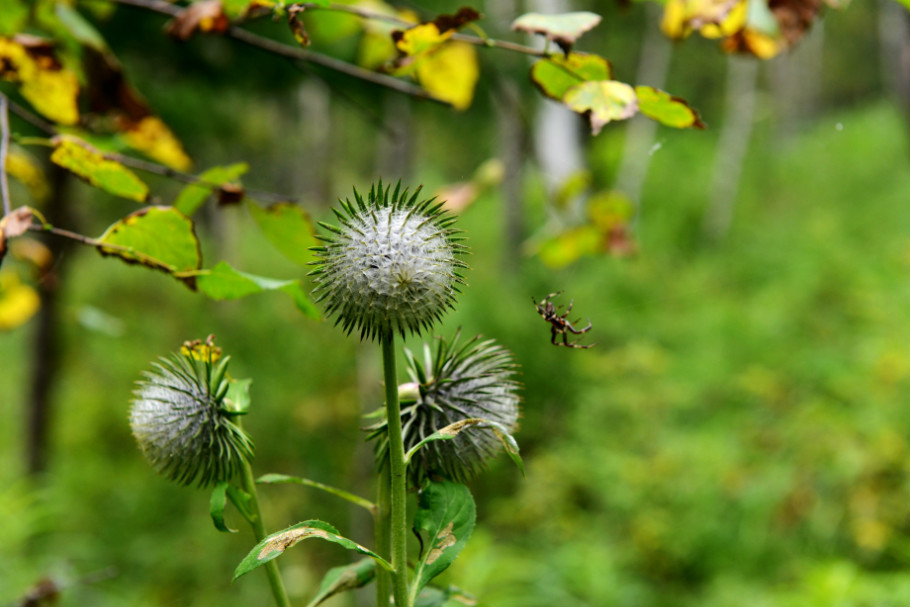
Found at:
<point>217,504</point>
<point>224,282</point>
<point>194,195</point>
<point>272,479</point>
<point>557,74</point>
<point>667,109</point>
<point>348,577</point>
<point>452,430</point>
<point>78,157</point>
<point>602,101</point>
<point>444,520</point>
<point>161,238</point>
<point>563,29</point>
<point>274,545</point>
<point>289,228</point>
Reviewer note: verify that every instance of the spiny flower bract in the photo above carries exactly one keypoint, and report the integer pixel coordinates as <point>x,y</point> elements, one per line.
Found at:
<point>459,382</point>
<point>182,422</point>
<point>392,266</point>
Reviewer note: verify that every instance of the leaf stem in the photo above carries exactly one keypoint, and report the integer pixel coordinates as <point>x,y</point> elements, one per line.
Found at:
<point>397,480</point>
<point>271,568</point>
<point>4,146</point>
<point>273,479</point>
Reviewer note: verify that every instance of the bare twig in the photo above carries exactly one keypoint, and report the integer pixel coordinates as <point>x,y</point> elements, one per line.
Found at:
<point>298,54</point>
<point>4,145</point>
<point>375,16</point>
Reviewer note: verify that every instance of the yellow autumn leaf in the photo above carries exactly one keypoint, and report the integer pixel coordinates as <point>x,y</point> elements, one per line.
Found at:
<point>450,73</point>
<point>421,38</point>
<point>723,25</point>
<point>154,139</point>
<point>26,171</point>
<point>18,302</point>
<point>673,23</point>
<point>51,89</point>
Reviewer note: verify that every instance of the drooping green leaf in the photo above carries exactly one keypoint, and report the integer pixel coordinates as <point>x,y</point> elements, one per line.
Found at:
<point>602,101</point>
<point>238,395</point>
<point>194,195</point>
<point>224,282</point>
<point>216,506</point>
<point>563,29</point>
<point>666,109</point>
<point>289,228</point>
<point>444,520</point>
<point>161,238</point>
<point>348,577</point>
<point>443,597</point>
<point>274,545</point>
<point>78,157</point>
<point>452,430</point>
<point>557,74</point>
<point>270,479</point>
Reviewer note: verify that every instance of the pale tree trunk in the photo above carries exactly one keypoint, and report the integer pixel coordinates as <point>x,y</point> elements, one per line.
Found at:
<point>311,177</point>
<point>653,64</point>
<point>894,40</point>
<point>795,78</point>
<point>513,140</point>
<point>732,145</point>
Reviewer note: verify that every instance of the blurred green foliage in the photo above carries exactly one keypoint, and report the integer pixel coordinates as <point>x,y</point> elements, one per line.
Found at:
<point>738,436</point>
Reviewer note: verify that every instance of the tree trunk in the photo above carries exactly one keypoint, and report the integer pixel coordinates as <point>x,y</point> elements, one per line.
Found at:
<point>46,351</point>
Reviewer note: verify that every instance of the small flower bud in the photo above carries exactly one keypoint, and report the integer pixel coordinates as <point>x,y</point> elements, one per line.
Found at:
<point>391,267</point>
<point>181,420</point>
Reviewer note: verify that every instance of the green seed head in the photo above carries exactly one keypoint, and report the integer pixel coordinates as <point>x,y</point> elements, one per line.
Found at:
<point>392,266</point>
<point>457,382</point>
<point>182,422</point>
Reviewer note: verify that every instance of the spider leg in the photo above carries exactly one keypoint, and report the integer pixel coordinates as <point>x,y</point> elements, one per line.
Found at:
<point>553,333</point>
<point>569,309</point>
<point>578,331</point>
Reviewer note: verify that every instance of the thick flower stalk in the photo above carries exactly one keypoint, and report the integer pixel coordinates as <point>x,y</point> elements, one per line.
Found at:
<point>181,418</point>
<point>456,383</point>
<point>392,266</point>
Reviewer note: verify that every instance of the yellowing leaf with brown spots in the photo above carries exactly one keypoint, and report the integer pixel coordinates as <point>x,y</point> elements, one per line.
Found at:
<point>78,157</point>
<point>557,74</point>
<point>666,109</point>
<point>51,89</point>
<point>154,139</point>
<point>602,101</point>
<point>160,238</point>
<point>18,301</point>
<point>450,73</point>
<point>444,520</point>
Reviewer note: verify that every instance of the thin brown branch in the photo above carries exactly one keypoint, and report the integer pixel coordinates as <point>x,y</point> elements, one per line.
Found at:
<point>376,16</point>
<point>297,54</point>
<point>4,146</point>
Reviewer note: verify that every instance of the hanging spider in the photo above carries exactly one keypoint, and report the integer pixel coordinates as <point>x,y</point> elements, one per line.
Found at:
<point>559,323</point>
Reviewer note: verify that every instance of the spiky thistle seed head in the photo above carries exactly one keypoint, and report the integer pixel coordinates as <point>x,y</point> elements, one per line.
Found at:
<point>456,382</point>
<point>392,266</point>
<point>181,418</point>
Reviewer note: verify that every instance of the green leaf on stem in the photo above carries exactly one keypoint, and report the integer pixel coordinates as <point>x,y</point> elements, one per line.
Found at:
<point>557,74</point>
<point>81,159</point>
<point>452,430</point>
<point>217,504</point>
<point>224,282</point>
<point>274,545</point>
<point>563,29</point>
<point>667,109</point>
<point>602,101</point>
<point>238,396</point>
<point>439,597</point>
<point>348,577</point>
<point>444,520</point>
<point>289,228</point>
<point>161,238</point>
<point>271,479</point>
<point>194,195</point>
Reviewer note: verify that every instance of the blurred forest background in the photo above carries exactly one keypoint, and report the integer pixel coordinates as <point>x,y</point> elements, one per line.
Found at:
<point>739,435</point>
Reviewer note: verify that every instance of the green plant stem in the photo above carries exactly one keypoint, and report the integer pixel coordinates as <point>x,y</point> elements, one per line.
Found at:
<point>271,568</point>
<point>398,514</point>
<point>381,529</point>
